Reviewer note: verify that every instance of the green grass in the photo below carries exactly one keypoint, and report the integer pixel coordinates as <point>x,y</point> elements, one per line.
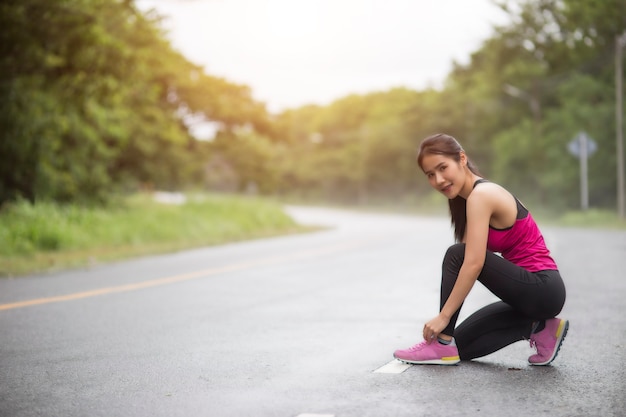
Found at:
<point>592,218</point>
<point>49,236</point>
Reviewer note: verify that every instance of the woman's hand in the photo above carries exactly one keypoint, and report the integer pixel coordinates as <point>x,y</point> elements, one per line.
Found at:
<point>434,327</point>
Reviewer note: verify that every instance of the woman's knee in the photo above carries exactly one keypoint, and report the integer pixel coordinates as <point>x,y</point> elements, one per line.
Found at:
<point>453,260</point>
<point>455,254</point>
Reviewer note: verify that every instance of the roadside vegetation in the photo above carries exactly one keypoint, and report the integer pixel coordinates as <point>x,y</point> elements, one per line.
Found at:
<point>596,218</point>
<point>96,103</point>
<point>49,236</point>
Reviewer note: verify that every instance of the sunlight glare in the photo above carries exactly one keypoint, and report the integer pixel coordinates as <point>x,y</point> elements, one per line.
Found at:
<point>293,20</point>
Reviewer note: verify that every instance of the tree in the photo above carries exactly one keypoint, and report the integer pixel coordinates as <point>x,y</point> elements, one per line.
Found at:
<point>94,101</point>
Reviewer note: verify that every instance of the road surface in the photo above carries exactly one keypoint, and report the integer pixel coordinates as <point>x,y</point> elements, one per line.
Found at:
<point>300,325</point>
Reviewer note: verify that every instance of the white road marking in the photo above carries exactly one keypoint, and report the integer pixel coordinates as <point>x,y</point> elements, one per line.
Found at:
<point>393,367</point>
<point>315,415</point>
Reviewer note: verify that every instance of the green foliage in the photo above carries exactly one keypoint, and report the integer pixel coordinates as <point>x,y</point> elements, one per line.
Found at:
<point>592,218</point>
<point>356,147</point>
<point>251,156</point>
<point>586,105</point>
<point>95,101</point>
<point>64,234</point>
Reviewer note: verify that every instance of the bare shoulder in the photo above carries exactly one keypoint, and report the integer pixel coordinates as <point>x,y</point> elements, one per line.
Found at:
<point>497,200</point>
<point>488,192</point>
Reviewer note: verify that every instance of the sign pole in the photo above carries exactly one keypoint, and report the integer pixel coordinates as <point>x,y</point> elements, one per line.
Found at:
<point>583,146</point>
<point>620,40</point>
<point>584,175</point>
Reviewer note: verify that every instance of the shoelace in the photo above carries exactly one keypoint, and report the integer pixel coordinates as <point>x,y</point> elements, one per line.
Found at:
<point>533,344</point>
<point>419,346</point>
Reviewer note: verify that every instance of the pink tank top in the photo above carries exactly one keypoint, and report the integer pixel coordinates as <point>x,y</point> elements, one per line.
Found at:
<point>522,244</point>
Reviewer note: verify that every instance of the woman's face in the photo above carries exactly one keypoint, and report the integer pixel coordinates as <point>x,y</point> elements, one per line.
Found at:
<point>445,174</point>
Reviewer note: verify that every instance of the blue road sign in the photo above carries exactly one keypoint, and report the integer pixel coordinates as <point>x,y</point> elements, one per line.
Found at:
<point>581,140</point>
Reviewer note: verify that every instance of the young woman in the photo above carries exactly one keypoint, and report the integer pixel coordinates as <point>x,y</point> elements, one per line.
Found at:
<point>488,220</point>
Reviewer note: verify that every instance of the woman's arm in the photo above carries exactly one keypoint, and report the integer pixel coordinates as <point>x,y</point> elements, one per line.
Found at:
<point>479,211</point>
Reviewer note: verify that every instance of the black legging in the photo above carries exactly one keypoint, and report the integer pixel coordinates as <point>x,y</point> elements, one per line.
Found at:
<point>526,297</point>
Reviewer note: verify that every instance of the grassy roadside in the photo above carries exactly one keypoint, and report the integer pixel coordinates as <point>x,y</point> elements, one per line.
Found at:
<point>49,236</point>
<point>593,218</point>
<point>433,205</point>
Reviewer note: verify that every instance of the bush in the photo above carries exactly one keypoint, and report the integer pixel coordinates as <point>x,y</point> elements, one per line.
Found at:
<point>73,235</point>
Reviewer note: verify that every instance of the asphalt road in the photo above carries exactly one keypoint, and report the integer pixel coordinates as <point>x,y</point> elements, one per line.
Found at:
<point>300,325</point>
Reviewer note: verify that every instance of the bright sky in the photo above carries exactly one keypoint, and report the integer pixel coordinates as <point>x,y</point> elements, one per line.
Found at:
<point>296,52</point>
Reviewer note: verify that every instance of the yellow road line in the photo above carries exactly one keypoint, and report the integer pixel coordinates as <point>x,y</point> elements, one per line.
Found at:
<point>184,277</point>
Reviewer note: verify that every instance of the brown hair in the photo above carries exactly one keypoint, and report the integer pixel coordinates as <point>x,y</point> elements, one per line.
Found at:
<point>442,144</point>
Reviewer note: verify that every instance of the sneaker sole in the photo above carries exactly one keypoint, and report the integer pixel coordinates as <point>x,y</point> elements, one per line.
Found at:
<point>561,333</point>
<point>453,360</point>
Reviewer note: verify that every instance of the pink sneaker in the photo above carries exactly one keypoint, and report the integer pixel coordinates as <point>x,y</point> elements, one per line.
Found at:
<point>434,353</point>
<point>548,341</point>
